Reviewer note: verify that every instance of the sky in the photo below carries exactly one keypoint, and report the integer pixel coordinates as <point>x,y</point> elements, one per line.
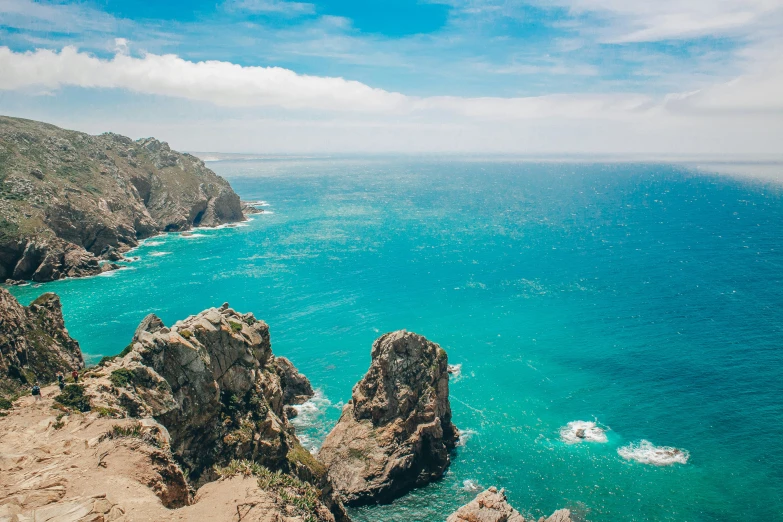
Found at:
<point>663,77</point>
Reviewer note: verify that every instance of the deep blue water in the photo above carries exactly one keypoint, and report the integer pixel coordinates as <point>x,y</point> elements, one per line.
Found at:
<point>644,297</point>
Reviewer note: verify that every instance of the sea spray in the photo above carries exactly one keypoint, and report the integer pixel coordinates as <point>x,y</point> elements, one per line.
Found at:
<point>645,452</point>
<point>576,432</point>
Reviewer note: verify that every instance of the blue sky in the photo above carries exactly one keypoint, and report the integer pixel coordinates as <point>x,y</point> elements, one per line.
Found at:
<point>453,73</point>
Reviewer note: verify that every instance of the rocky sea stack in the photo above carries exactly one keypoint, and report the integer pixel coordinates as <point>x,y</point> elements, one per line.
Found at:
<point>396,432</point>
<point>69,200</point>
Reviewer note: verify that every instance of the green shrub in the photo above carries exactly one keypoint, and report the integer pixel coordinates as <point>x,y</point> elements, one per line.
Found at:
<point>121,377</point>
<point>235,327</point>
<point>187,334</point>
<point>73,397</point>
<point>5,404</point>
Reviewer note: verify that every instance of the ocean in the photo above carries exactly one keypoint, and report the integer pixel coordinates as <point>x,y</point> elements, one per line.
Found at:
<point>642,300</point>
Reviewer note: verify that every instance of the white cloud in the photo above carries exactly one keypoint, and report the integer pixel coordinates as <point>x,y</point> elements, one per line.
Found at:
<point>230,85</point>
<point>221,83</point>
<point>271,6</point>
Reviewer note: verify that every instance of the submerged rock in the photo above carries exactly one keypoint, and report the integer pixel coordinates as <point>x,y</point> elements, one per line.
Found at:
<point>396,432</point>
<point>34,343</point>
<point>491,506</point>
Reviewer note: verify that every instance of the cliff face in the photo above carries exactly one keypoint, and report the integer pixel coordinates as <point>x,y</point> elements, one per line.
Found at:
<point>34,344</point>
<point>68,198</point>
<point>198,405</point>
<point>396,432</point>
<point>491,506</point>
<point>214,383</point>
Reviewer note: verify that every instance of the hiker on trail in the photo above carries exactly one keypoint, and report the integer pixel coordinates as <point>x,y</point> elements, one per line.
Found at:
<point>75,376</point>
<point>61,384</point>
<point>37,392</point>
<point>60,377</point>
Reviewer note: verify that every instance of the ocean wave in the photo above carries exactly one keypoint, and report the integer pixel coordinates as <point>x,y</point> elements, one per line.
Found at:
<point>464,437</point>
<point>576,432</point>
<point>159,254</point>
<point>646,452</point>
<point>470,485</point>
<point>455,370</point>
<point>259,203</point>
<point>152,243</point>
<point>191,235</point>
<point>309,421</point>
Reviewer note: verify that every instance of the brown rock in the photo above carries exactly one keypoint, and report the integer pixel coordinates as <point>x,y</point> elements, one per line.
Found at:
<point>396,432</point>
<point>34,343</point>
<point>491,506</point>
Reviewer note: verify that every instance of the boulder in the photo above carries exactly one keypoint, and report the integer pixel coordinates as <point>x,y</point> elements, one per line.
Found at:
<point>491,506</point>
<point>396,433</point>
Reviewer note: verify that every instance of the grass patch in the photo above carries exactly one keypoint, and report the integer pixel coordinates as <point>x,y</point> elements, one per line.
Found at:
<point>187,334</point>
<point>299,456</point>
<point>133,431</point>
<point>235,327</point>
<point>73,397</point>
<point>5,404</point>
<point>109,412</point>
<point>121,377</point>
<point>290,491</point>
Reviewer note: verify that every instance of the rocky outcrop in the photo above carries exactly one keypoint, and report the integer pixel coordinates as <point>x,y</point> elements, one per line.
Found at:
<point>396,432</point>
<point>491,506</point>
<point>214,383</point>
<point>34,344</point>
<point>68,199</point>
<point>296,387</point>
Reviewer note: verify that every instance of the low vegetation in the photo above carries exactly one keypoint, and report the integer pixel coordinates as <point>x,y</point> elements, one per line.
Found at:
<point>73,397</point>
<point>289,490</point>
<point>121,377</point>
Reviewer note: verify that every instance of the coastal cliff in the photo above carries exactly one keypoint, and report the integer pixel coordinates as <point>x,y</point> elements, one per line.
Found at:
<point>34,344</point>
<point>198,405</point>
<point>396,433</point>
<point>69,200</point>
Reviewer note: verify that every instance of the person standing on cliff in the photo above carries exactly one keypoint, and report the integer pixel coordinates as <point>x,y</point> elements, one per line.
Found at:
<point>75,376</point>
<point>36,392</point>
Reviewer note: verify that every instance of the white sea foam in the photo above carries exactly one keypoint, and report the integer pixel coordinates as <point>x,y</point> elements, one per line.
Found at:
<point>645,452</point>
<point>192,236</point>
<point>153,243</point>
<point>259,203</point>
<point>309,421</point>
<point>470,485</point>
<point>159,254</point>
<point>465,436</point>
<point>582,431</point>
<point>455,370</point>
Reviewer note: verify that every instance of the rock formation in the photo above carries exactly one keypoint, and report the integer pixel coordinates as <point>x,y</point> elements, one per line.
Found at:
<point>396,432</point>
<point>203,399</point>
<point>491,506</point>
<point>34,344</point>
<point>68,199</point>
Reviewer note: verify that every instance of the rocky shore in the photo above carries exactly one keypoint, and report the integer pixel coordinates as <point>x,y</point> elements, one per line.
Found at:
<point>71,203</point>
<point>191,422</point>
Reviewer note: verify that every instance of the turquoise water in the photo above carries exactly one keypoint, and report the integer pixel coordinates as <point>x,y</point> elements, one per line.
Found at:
<point>644,297</point>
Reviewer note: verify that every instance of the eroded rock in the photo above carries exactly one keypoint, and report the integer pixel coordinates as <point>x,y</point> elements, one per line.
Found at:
<point>34,342</point>
<point>491,506</point>
<point>396,432</point>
